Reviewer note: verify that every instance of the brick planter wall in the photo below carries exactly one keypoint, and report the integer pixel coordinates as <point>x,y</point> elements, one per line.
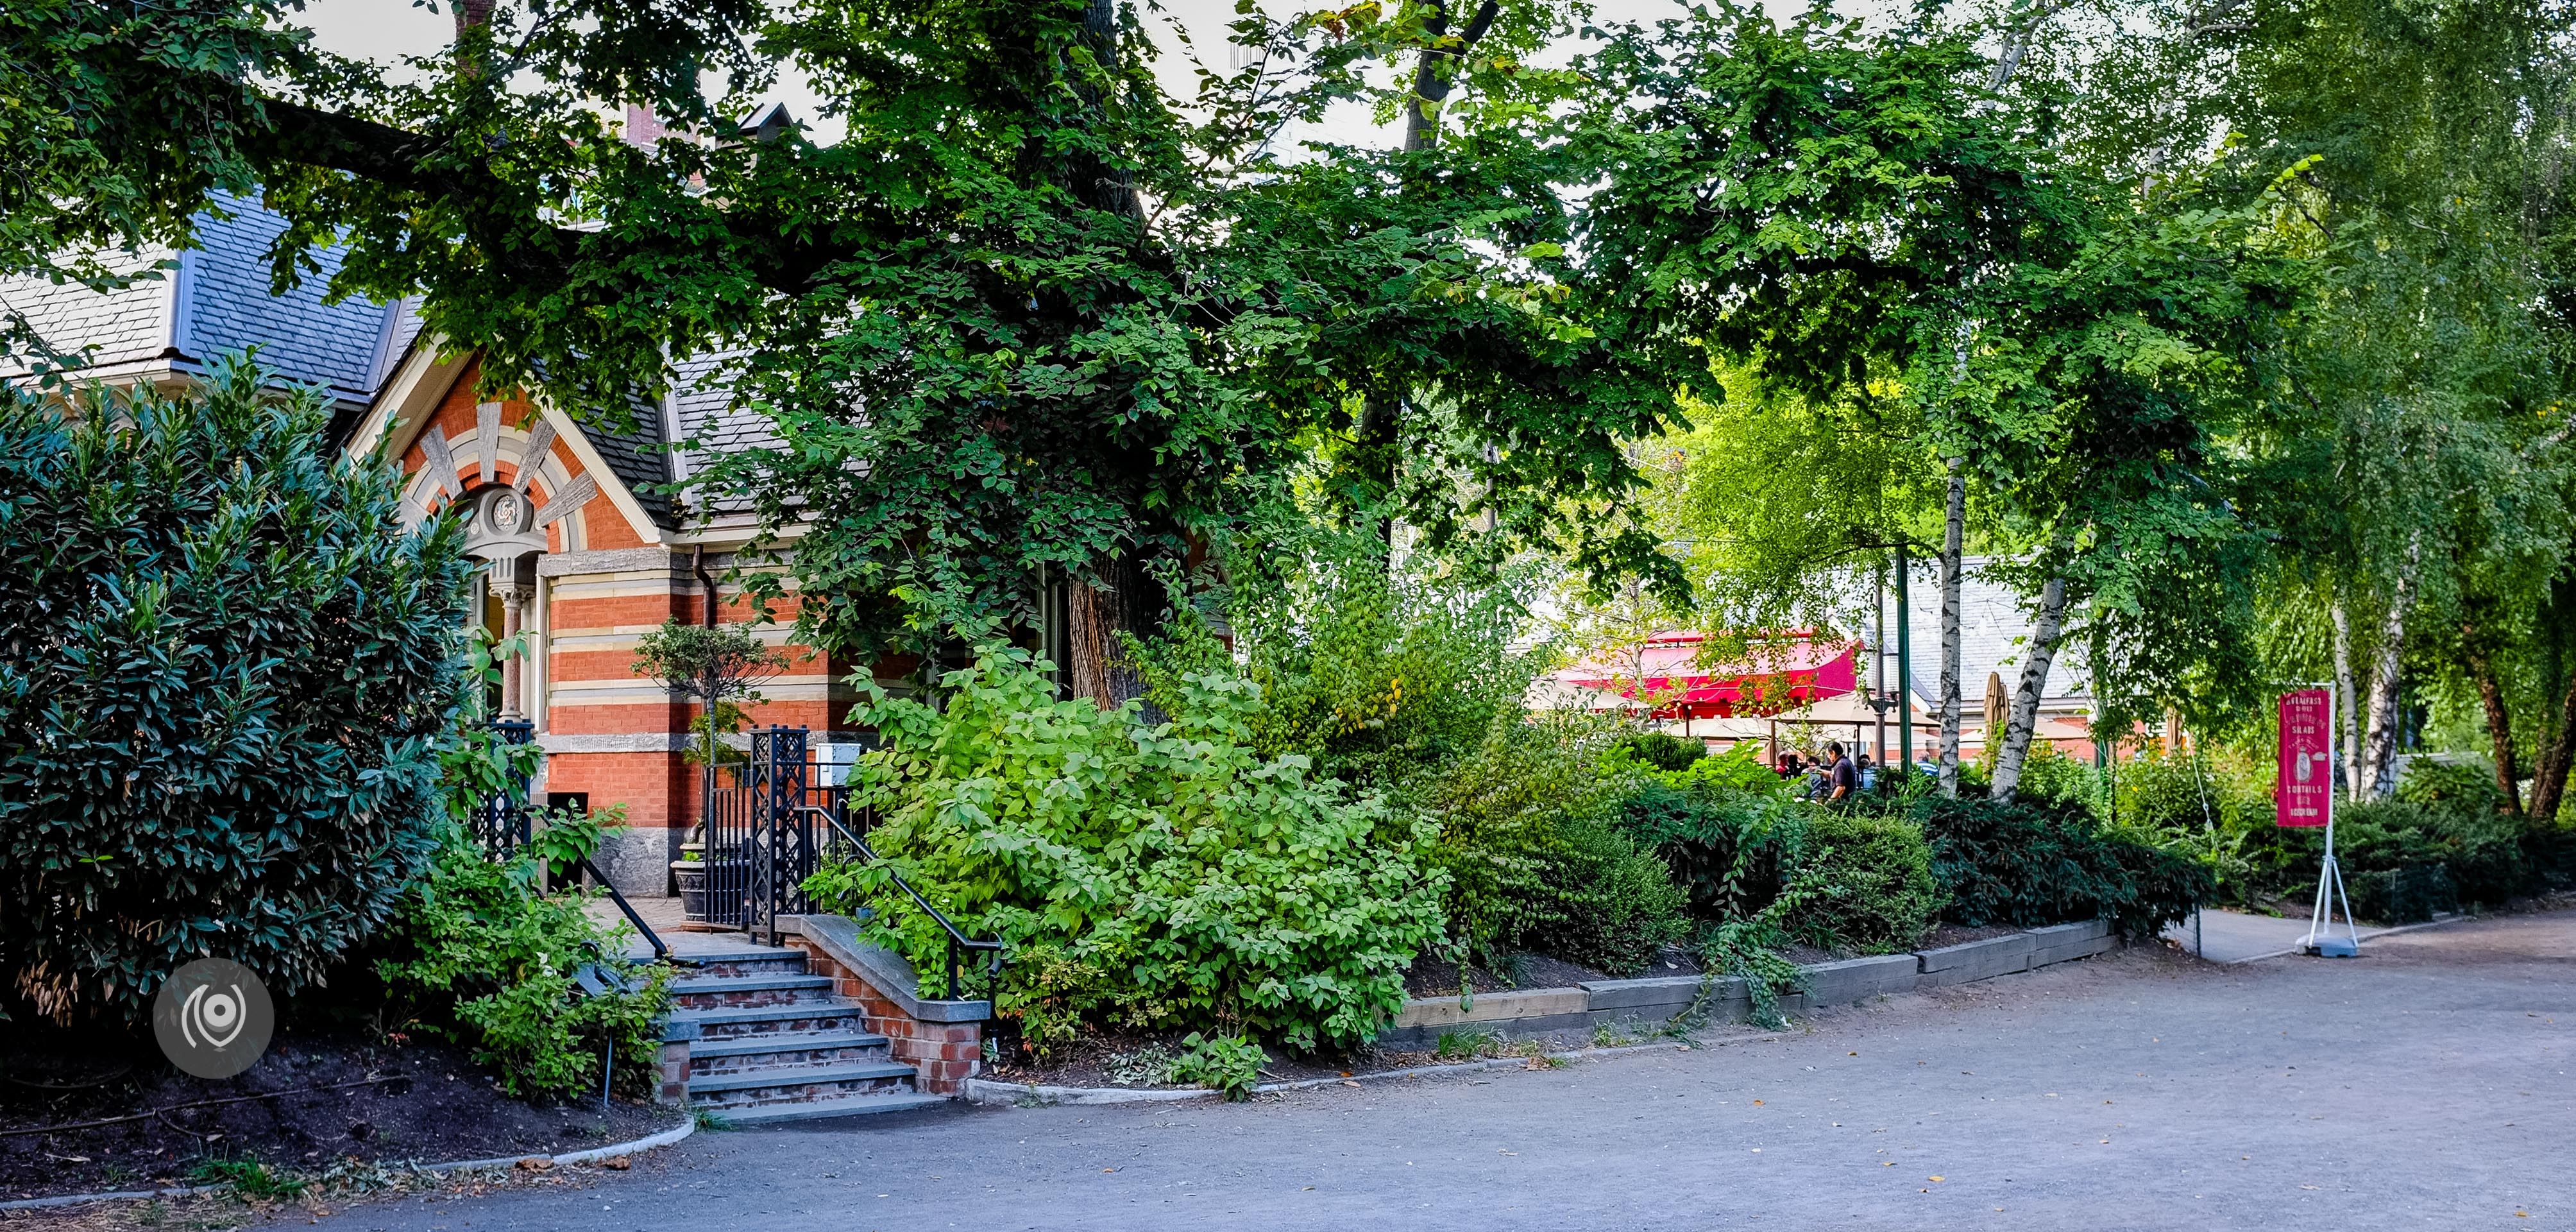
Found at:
<point>945,1054</point>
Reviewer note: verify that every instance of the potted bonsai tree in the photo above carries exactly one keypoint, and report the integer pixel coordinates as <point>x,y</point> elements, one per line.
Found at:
<point>719,668</point>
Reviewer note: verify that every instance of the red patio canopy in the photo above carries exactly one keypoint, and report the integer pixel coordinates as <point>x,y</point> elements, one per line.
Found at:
<point>1783,675</point>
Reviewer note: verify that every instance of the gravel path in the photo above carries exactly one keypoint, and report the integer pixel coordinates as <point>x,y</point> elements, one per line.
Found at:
<point>2422,1086</point>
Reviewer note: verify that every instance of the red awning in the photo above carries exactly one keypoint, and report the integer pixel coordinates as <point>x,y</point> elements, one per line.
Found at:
<point>1778,677</point>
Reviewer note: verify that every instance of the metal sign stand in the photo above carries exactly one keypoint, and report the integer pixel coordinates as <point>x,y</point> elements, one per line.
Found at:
<point>2320,940</point>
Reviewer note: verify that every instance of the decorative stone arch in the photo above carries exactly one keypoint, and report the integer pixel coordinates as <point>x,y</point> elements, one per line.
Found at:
<point>509,473</point>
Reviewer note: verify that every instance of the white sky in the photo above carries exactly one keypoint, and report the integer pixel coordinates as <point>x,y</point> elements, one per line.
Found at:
<point>384,30</point>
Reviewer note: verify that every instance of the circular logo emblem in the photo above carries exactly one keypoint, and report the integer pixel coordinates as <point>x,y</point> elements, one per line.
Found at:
<point>213,1018</point>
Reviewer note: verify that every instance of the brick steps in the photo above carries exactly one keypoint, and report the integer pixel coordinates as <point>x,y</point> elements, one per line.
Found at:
<point>800,1084</point>
<point>771,1042</point>
<point>737,1022</point>
<point>752,960</point>
<point>734,991</point>
<point>783,1052</point>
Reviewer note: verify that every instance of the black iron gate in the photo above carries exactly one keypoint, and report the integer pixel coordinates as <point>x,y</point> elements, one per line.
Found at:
<point>767,831</point>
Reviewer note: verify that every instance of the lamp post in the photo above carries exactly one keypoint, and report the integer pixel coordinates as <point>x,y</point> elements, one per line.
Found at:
<point>1904,664</point>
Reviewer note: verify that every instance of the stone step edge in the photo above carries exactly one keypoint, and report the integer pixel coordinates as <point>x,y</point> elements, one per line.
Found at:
<point>721,984</point>
<point>835,1007</point>
<point>839,1106</point>
<point>784,1041</point>
<point>793,1076</point>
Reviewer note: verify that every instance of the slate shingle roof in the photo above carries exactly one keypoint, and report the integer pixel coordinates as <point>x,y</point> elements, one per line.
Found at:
<point>124,326</point>
<point>635,451</point>
<point>217,301</point>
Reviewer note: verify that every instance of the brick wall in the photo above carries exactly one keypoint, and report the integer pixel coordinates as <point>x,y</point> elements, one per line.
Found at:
<point>943,1054</point>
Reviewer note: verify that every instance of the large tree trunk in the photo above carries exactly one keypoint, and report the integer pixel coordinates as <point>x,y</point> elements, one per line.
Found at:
<point>2034,682</point>
<point>2347,701</point>
<point>1953,538</point>
<point>1127,600</point>
<point>2379,743</point>
<point>1431,85</point>
<point>2478,652</point>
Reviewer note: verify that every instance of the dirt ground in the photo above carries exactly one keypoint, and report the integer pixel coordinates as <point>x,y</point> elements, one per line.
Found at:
<point>311,1102</point>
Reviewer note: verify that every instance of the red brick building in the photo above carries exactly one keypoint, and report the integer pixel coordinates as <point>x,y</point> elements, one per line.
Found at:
<point>584,547</point>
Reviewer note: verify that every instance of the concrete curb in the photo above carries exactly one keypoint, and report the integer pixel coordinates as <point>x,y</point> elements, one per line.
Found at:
<point>1848,981</point>
<point>638,1146</point>
<point>1011,1094</point>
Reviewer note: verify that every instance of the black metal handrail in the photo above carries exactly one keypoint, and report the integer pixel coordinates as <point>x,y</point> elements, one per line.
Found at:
<point>503,825</point>
<point>661,952</point>
<point>958,942</point>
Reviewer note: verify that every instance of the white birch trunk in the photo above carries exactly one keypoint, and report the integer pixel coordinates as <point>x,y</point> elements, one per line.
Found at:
<point>2034,683</point>
<point>2379,744</point>
<point>2347,699</point>
<point>1953,536</point>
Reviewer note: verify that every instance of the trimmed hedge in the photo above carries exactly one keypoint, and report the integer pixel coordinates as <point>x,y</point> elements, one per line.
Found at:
<point>1865,884</point>
<point>2031,865</point>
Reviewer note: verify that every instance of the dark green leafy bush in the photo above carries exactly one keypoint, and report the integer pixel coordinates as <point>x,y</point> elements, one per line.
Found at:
<point>1161,876</point>
<point>1864,883</point>
<point>2029,865</point>
<point>2484,857</point>
<point>1530,840</point>
<point>1661,751</point>
<point>481,954</point>
<point>1615,904</point>
<point>225,676</point>
<point>1730,850</point>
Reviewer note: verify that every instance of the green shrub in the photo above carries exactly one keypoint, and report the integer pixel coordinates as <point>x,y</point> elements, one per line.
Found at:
<point>480,954</point>
<point>1614,902</point>
<point>1730,850</point>
<point>1162,876</point>
<point>2050,777</point>
<point>1864,883</point>
<point>2484,857</point>
<point>1738,770</point>
<point>225,675</point>
<point>2467,786</point>
<point>1376,673</point>
<point>1665,752</point>
<point>1529,837</point>
<point>2029,865</point>
<point>1229,1064</point>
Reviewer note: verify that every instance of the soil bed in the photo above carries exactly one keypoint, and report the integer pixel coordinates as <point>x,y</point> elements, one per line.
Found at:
<point>329,1099</point>
<point>1961,934</point>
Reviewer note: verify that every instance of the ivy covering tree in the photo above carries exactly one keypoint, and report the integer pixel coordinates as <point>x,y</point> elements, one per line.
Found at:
<point>225,677</point>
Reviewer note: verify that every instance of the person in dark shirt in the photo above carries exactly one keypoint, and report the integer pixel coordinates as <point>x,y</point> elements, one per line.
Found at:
<point>1842,775</point>
<point>1788,766</point>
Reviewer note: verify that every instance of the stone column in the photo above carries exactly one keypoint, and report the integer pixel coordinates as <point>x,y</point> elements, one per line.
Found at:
<point>514,601</point>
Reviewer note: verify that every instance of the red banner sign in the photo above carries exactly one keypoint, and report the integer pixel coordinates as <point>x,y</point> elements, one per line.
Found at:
<point>2305,796</point>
